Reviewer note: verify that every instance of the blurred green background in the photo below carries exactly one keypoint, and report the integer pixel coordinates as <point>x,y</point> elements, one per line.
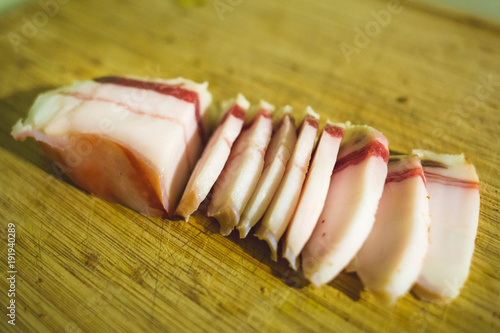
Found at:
<point>489,9</point>
<point>5,5</point>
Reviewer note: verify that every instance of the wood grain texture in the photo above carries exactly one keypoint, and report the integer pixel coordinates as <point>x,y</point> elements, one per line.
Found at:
<point>85,265</point>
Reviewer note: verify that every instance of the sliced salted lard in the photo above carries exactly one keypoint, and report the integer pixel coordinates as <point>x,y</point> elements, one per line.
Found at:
<point>242,171</point>
<point>453,188</point>
<point>214,157</point>
<point>178,100</point>
<point>391,258</point>
<point>126,140</point>
<point>279,212</point>
<point>277,156</point>
<point>347,219</point>
<point>313,196</point>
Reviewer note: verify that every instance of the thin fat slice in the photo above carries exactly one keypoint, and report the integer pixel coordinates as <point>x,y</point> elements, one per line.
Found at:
<point>391,259</point>
<point>347,219</point>
<point>313,196</point>
<point>242,171</point>
<point>279,212</point>
<point>277,156</point>
<point>453,188</point>
<point>127,140</point>
<point>214,157</point>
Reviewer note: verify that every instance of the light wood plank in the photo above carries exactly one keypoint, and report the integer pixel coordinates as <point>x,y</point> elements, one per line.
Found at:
<point>87,265</point>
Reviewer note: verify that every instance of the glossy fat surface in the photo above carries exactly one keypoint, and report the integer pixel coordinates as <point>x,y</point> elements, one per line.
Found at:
<point>90,108</point>
<point>109,170</point>
<point>280,211</point>
<point>454,209</point>
<point>150,102</point>
<point>277,156</point>
<point>391,259</point>
<point>213,159</point>
<point>241,173</point>
<point>347,219</point>
<point>314,192</point>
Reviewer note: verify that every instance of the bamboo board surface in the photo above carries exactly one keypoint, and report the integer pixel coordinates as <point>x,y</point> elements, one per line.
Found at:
<point>85,265</point>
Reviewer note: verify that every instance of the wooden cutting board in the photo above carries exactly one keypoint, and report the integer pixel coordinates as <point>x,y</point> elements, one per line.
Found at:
<point>84,265</point>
